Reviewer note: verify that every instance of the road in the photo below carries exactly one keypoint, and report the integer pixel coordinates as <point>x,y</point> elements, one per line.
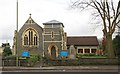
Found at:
<point>0,64</point>
<point>0,61</point>
<point>103,68</point>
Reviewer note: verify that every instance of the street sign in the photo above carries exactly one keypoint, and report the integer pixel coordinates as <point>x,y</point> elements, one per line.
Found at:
<point>25,54</point>
<point>64,53</point>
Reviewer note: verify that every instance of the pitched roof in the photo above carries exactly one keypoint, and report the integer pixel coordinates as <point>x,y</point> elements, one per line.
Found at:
<point>30,20</point>
<point>83,41</point>
<point>54,22</point>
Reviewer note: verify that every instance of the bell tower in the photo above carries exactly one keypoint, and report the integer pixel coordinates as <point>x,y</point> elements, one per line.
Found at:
<point>54,36</point>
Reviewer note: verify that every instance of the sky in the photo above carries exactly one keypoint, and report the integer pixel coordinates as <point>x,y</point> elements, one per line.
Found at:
<point>76,23</point>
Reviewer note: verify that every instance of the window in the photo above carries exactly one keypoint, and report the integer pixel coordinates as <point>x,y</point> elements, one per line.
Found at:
<point>87,50</point>
<point>52,34</point>
<point>25,40</point>
<point>80,50</point>
<point>93,50</point>
<point>30,37</point>
<point>35,39</point>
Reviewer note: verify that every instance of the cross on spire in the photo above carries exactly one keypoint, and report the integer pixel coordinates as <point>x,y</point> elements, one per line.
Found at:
<point>30,14</point>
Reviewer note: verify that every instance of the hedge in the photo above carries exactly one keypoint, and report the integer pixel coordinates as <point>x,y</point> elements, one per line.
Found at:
<point>82,61</point>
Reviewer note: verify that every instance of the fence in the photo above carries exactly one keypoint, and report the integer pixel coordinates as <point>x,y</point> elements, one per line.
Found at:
<point>14,63</point>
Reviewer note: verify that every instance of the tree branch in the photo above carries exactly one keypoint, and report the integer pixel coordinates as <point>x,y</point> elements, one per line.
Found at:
<point>118,26</point>
<point>108,16</point>
<point>113,8</point>
<point>114,21</point>
<point>98,9</point>
<point>118,22</point>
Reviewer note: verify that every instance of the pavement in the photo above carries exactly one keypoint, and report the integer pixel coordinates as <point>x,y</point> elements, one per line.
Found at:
<point>99,67</point>
<point>62,69</point>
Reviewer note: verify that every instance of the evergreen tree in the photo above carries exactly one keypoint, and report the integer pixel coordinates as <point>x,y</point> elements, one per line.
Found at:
<point>116,45</point>
<point>7,51</point>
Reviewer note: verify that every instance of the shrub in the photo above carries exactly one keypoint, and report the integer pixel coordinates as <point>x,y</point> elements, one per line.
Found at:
<point>34,59</point>
<point>92,54</point>
<point>82,61</point>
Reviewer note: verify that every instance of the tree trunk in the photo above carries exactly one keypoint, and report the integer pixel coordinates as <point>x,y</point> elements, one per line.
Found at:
<point>109,47</point>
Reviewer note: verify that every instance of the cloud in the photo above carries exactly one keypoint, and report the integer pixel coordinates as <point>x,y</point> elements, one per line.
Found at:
<point>75,22</point>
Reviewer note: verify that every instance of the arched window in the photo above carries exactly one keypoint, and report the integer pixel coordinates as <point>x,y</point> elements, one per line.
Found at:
<point>52,35</point>
<point>30,37</point>
<point>25,40</point>
<point>35,40</point>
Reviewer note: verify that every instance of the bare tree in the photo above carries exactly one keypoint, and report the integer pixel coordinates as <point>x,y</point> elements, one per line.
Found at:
<point>118,26</point>
<point>108,12</point>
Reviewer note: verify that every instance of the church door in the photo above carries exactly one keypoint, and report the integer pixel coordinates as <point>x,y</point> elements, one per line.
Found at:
<point>53,52</point>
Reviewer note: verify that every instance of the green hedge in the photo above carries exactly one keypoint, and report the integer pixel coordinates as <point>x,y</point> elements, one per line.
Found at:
<point>90,56</point>
<point>82,61</point>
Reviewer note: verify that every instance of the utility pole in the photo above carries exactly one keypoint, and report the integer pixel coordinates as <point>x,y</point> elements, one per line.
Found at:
<point>17,34</point>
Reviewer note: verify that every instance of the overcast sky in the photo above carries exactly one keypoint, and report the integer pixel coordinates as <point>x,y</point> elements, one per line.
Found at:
<point>76,23</point>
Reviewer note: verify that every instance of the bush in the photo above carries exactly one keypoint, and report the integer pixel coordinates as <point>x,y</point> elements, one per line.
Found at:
<point>82,61</point>
<point>92,54</point>
<point>34,59</point>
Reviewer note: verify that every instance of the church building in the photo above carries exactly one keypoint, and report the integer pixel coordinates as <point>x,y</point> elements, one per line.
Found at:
<point>50,40</point>
<point>47,41</point>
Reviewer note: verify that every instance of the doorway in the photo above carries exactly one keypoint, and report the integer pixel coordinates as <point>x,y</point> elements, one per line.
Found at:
<point>53,52</point>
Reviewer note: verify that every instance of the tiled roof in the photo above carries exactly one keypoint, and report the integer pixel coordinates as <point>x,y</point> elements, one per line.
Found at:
<point>83,41</point>
<point>54,22</point>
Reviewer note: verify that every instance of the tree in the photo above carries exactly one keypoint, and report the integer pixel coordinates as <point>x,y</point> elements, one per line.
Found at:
<point>7,51</point>
<point>106,11</point>
<point>116,45</point>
